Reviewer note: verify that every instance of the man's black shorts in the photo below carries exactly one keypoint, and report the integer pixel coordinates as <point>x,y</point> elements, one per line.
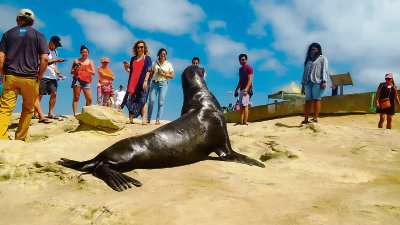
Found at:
<point>47,86</point>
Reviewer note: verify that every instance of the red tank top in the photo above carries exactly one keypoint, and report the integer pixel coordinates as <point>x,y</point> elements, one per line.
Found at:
<point>137,67</point>
<point>83,73</point>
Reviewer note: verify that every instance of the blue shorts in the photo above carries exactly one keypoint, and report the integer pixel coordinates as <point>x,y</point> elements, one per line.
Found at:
<point>81,83</point>
<point>313,91</point>
<point>47,86</point>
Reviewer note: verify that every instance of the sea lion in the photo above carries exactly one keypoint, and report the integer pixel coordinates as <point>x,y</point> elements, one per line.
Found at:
<point>191,138</point>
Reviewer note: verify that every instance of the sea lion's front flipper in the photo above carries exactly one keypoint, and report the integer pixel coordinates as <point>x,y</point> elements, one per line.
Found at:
<point>116,180</point>
<point>237,157</point>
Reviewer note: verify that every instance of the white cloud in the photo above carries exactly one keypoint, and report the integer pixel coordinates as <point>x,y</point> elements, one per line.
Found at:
<point>102,30</point>
<point>359,34</point>
<point>8,15</point>
<point>216,24</point>
<point>154,46</point>
<point>66,42</point>
<point>223,55</point>
<point>174,17</point>
<point>179,65</point>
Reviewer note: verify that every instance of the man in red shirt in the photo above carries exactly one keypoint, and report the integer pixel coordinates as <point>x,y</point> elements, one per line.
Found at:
<point>245,84</point>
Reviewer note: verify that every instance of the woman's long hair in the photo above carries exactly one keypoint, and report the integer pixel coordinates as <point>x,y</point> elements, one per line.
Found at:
<point>308,54</point>
<point>146,51</point>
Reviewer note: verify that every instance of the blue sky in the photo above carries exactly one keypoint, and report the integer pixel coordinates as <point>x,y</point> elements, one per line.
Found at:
<point>358,36</point>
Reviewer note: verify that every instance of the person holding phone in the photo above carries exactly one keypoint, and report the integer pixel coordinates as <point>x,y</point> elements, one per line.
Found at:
<point>314,80</point>
<point>162,71</point>
<point>139,76</point>
<point>49,82</point>
<point>82,71</point>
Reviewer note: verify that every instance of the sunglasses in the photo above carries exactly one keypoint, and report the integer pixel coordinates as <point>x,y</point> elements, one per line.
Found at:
<point>139,47</point>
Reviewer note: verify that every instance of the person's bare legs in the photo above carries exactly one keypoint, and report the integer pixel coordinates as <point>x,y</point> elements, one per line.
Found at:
<point>241,114</point>
<point>52,103</point>
<point>38,109</point>
<point>317,109</point>
<point>307,109</point>
<point>75,100</point>
<point>389,121</point>
<point>381,120</point>
<point>106,99</point>
<point>88,96</point>
<point>245,114</point>
<point>144,111</point>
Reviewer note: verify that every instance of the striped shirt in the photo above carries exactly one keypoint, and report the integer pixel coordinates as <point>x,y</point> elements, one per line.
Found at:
<point>316,71</point>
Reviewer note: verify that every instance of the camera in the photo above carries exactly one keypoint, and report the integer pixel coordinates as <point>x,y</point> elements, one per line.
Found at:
<point>76,66</point>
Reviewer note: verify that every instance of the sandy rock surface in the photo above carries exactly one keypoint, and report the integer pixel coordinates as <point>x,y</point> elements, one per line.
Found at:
<point>342,170</point>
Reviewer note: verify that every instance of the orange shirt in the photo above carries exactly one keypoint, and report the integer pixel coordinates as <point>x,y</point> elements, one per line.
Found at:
<point>83,74</point>
<point>105,71</point>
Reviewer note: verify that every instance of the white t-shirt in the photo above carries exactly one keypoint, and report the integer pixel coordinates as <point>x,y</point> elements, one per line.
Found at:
<point>119,97</point>
<point>166,67</point>
<point>50,73</point>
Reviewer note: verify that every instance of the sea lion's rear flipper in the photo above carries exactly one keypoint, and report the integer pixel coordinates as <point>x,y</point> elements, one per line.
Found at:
<point>85,166</point>
<point>237,157</point>
<point>116,180</point>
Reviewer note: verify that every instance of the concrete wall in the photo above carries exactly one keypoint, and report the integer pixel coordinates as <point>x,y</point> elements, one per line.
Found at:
<point>341,104</point>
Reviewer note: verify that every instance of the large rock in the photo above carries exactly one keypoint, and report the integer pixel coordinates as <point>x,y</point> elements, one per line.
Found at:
<point>103,118</point>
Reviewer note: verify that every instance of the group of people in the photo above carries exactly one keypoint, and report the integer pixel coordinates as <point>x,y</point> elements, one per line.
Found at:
<point>28,65</point>
<point>314,82</point>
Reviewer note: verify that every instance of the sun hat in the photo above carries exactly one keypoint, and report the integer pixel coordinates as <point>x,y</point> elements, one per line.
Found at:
<point>26,13</point>
<point>389,76</point>
<point>105,59</point>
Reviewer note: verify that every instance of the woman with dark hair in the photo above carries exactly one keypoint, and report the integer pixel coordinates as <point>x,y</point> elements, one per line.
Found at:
<point>314,80</point>
<point>139,74</point>
<point>384,103</point>
<point>82,71</point>
<point>162,71</point>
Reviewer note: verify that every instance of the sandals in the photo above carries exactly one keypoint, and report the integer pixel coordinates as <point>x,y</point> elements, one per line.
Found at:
<point>144,123</point>
<point>45,121</point>
<point>157,123</point>
<point>35,117</point>
<point>54,118</point>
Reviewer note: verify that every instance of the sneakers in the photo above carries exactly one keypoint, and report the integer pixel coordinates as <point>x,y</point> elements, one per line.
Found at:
<point>240,123</point>
<point>304,122</point>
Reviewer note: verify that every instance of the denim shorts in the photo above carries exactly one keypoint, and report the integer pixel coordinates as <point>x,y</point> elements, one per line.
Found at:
<point>81,83</point>
<point>313,91</point>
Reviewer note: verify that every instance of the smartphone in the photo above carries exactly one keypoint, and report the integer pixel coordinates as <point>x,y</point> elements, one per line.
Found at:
<point>63,60</point>
<point>125,62</point>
